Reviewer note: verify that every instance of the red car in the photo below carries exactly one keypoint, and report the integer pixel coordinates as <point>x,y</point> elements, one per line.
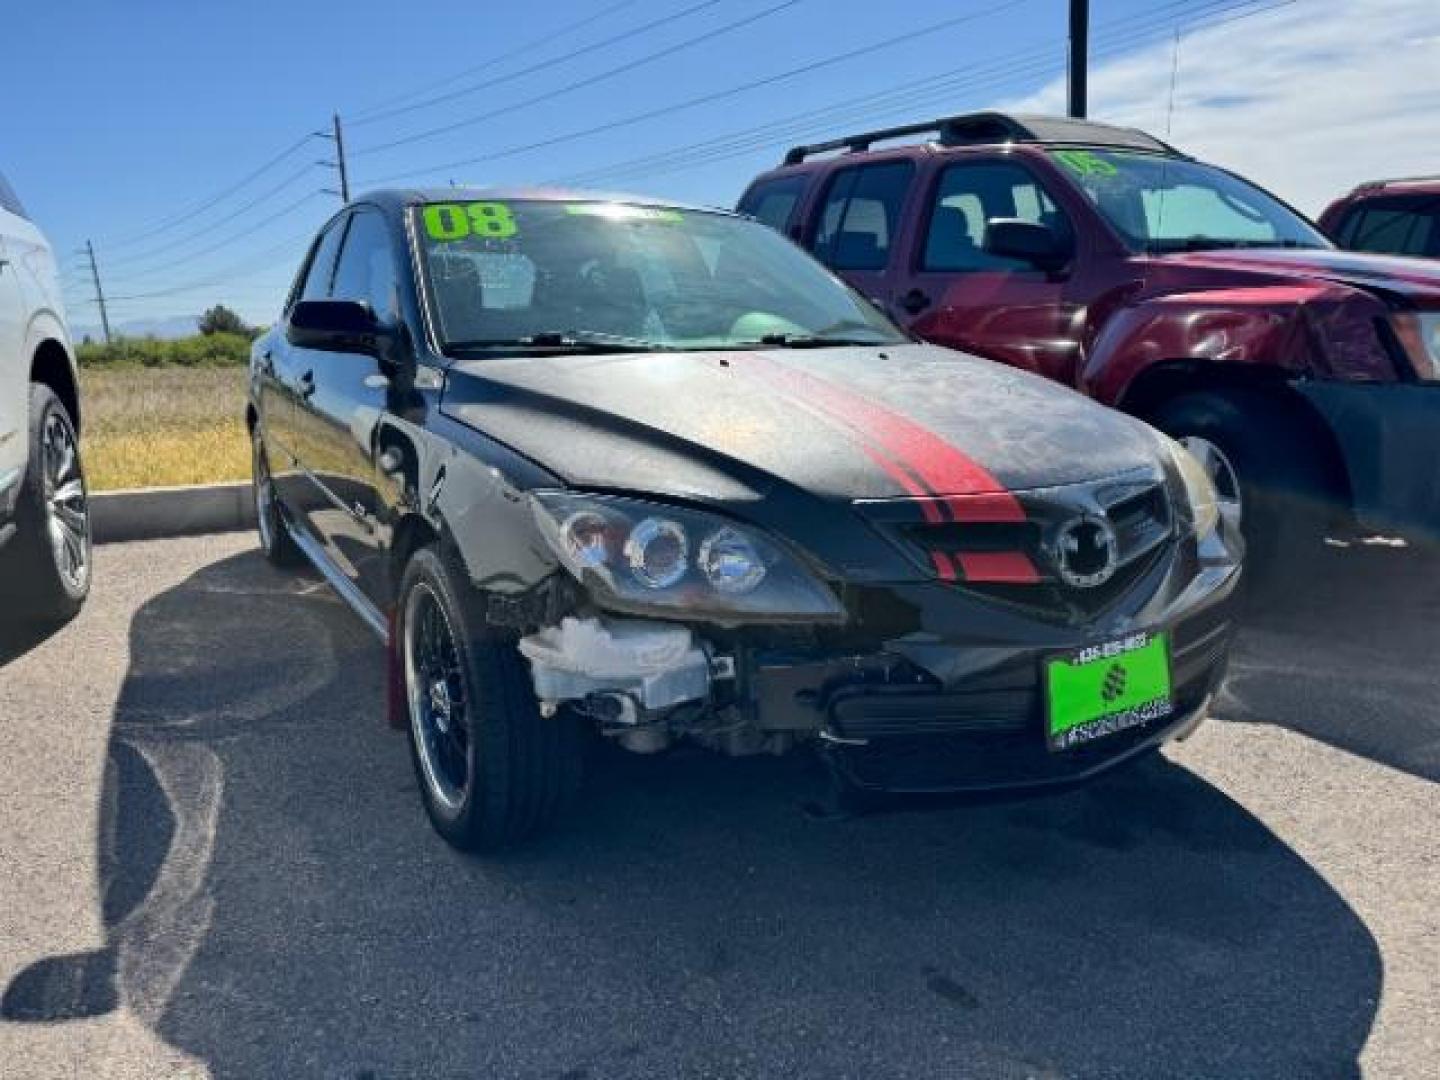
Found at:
<point>1305,378</point>
<point>1389,217</point>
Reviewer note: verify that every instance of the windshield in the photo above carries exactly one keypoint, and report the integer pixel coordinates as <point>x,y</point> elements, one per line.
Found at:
<point>1169,204</point>
<point>556,274</point>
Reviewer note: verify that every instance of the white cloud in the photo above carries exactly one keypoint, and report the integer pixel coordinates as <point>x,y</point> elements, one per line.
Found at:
<point>1306,100</point>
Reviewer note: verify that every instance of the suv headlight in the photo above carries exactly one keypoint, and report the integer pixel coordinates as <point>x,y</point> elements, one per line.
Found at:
<point>1200,493</point>
<point>1419,332</point>
<point>635,555</point>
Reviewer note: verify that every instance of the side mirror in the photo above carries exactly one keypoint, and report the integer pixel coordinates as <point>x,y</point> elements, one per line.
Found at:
<point>339,326</point>
<point>1039,245</point>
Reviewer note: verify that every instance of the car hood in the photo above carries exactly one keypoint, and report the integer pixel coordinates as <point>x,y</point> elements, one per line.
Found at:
<point>1415,279</point>
<point>909,421</point>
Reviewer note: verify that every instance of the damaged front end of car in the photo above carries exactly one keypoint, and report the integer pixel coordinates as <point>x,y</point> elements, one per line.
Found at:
<point>927,673</point>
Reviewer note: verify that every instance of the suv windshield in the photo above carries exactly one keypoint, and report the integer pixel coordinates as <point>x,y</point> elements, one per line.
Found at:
<point>561,275</point>
<point>1169,204</point>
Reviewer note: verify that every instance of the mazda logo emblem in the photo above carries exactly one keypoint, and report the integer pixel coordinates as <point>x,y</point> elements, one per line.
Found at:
<point>1086,551</point>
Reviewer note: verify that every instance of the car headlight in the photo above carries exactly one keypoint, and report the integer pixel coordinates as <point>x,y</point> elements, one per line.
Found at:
<point>1419,332</point>
<point>635,555</point>
<point>1200,493</point>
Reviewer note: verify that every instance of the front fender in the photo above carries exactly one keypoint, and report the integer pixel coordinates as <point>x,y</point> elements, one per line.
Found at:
<point>1309,329</point>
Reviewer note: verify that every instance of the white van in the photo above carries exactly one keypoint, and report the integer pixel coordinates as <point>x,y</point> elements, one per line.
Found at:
<point>44,509</point>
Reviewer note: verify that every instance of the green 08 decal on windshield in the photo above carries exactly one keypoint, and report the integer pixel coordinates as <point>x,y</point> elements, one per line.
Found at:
<point>456,221</point>
<point>1085,162</point>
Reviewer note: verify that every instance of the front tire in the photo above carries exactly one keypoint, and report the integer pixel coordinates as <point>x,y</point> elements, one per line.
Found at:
<point>51,560</point>
<point>492,771</point>
<point>1271,468</point>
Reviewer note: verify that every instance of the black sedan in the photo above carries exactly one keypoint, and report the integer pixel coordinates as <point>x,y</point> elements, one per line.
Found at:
<point>597,465</point>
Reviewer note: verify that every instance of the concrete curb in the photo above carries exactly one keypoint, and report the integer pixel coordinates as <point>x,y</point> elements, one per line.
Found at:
<point>153,513</point>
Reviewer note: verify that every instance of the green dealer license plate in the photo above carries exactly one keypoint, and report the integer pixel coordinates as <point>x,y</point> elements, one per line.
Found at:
<point>1107,688</point>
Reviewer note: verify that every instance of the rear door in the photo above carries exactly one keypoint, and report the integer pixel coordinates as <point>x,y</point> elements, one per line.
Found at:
<point>775,201</point>
<point>858,221</point>
<point>954,293</point>
<point>342,410</point>
<point>14,365</point>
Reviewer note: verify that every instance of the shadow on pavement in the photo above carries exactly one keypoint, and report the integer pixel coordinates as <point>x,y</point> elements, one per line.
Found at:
<point>276,904</point>
<point>1350,660</point>
<point>17,639</point>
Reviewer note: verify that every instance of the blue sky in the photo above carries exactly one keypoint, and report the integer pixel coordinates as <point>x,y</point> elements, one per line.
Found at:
<point>139,113</point>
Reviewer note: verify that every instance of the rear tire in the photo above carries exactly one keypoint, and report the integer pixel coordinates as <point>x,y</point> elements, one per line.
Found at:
<point>275,539</point>
<point>492,771</point>
<point>49,563</point>
<point>1281,468</point>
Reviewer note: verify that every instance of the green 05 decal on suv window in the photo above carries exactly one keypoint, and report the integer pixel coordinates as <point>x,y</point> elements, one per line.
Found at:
<point>1085,162</point>
<point>456,221</point>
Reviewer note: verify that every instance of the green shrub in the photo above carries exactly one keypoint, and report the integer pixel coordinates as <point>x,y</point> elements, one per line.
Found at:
<point>198,351</point>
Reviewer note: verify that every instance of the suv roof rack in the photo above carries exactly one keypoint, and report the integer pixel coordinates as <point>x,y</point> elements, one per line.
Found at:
<point>983,128</point>
<point>1374,185</point>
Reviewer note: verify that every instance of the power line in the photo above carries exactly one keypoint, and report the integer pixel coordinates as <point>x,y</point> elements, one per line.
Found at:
<point>219,279</point>
<point>718,95</point>
<point>210,226</point>
<point>383,109</point>
<point>196,211</point>
<point>580,84</point>
<point>233,238</point>
<point>371,117</point>
<point>906,96</point>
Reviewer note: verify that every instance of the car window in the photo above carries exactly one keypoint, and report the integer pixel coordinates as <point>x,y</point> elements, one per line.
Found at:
<point>861,215</point>
<point>505,272</point>
<point>772,202</point>
<point>366,270</point>
<point>9,200</point>
<point>968,196</point>
<point>321,272</point>
<point>1398,226</point>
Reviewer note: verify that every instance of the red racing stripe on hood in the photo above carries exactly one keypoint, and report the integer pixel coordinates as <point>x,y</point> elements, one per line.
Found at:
<point>919,454</point>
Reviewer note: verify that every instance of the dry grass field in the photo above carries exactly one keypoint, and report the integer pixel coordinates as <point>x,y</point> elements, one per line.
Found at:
<point>161,427</point>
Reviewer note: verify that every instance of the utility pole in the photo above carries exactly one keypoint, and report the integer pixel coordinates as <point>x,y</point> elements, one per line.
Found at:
<point>1079,55</point>
<point>338,135</point>
<point>99,293</point>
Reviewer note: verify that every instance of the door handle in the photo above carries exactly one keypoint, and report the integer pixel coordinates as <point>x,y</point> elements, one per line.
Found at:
<point>307,385</point>
<point>915,301</point>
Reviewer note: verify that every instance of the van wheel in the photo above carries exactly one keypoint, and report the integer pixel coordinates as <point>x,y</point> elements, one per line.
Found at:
<point>1269,469</point>
<point>50,565</point>
<point>492,771</point>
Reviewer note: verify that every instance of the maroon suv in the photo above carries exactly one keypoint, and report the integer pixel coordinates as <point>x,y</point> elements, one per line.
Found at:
<point>1389,217</point>
<point>1307,379</point>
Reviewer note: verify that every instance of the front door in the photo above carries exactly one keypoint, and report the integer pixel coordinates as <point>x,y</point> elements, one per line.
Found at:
<point>342,407</point>
<point>955,293</point>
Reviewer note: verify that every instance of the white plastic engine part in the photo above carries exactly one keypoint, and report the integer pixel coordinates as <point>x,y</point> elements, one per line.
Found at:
<point>658,664</point>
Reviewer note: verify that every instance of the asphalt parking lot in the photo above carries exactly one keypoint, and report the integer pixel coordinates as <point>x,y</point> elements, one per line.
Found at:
<point>215,864</point>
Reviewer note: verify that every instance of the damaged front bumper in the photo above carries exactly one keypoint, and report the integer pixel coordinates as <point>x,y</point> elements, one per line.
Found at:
<point>931,689</point>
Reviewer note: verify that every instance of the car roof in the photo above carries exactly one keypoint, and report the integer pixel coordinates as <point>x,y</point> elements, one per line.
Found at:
<point>400,198</point>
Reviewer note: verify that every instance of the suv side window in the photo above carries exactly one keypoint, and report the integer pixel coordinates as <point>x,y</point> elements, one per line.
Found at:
<point>320,273</point>
<point>861,215</point>
<point>772,202</point>
<point>969,195</point>
<point>9,200</point>
<point>366,270</point>
<point>1394,226</point>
